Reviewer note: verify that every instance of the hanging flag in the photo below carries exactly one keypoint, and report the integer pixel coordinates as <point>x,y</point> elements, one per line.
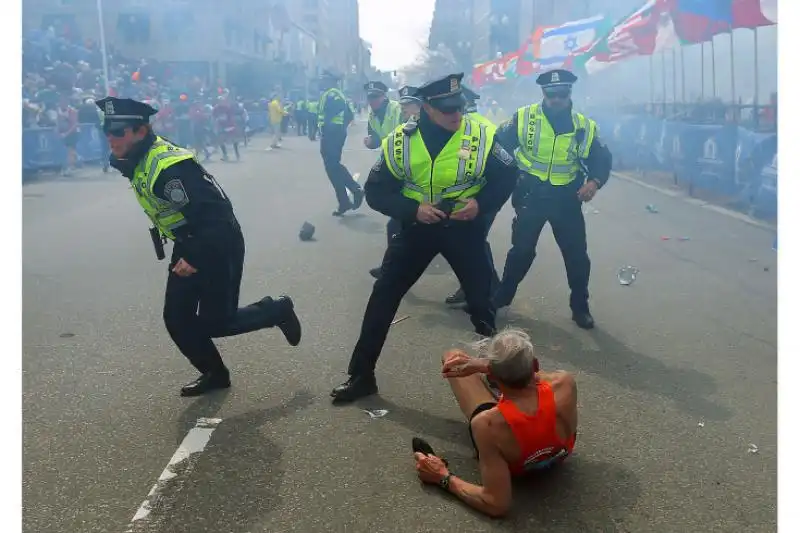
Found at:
<point>697,21</point>
<point>553,46</point>
<point>754,13</point>
<point>646,31</point>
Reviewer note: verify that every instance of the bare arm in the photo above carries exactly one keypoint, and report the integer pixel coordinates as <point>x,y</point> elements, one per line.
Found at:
<point>494,497</point>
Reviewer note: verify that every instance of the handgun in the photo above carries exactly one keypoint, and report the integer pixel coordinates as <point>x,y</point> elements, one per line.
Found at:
<point>158,243</point>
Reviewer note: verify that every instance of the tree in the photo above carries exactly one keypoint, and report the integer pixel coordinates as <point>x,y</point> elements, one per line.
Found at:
<point>430,64</point>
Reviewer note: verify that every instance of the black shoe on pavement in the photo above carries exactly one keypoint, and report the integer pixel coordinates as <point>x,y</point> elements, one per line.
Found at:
<point>341,211</point>
<point>375,272</point>
<point>457,299</point>
<point>354,388</point>
<point>358,198</point>
<point>583,319</point>
<point>420,445</point>
<point>210,381</point>
<point>290,323</point>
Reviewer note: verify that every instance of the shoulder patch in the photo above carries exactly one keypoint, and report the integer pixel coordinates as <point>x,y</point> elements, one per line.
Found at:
<point>175,192</point>
<point>500,153</point>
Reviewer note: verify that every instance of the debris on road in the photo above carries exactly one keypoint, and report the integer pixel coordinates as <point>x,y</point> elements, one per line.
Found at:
<point>752,449</point>
<point>664,238</point>
<point>627,275</point>
<point>683,239</point>
<point>701,424</point>
<point>67,335</point>
<point>398,320</point>
<point>376,413</point>
<point>307,232</point>
<point>651,208</point>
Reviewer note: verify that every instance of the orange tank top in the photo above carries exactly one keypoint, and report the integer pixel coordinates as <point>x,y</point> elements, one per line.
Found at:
<point>536,435</point>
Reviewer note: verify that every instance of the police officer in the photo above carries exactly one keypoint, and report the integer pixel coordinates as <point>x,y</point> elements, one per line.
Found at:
<point>442,208</point>
<point>495,113</point>
<point>384,114</point>
<point>312,109</point>
<point>562,163</point>
<point>410,105</point>
<point>333,117</point>
<point>458,299</point>
<point>187,206</point>
<point>300,119</point>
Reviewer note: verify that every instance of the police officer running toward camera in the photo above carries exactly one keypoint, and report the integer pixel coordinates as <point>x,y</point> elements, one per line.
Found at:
<point>384,117</point>
<point>187,206</point>
<point>334,115</point>
<point>562,164</point>
<point>438,177</point>
<point>458,299</point>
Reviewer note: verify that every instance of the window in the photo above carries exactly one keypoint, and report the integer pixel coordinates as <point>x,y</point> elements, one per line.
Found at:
<point>134,27</point>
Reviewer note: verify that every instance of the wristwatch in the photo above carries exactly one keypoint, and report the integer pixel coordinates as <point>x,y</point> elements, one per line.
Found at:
<point>445,481</point>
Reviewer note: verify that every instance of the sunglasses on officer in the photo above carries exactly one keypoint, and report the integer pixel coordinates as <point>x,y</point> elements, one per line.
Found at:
<point>557,93</point>
<point>450,109</point>
<point>118,129</point>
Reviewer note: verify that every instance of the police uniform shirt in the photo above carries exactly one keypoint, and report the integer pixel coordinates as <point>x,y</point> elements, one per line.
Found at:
<point>186,185</point>
<point>334,103</point>
<point>383,191</point>
<point>599,160</point>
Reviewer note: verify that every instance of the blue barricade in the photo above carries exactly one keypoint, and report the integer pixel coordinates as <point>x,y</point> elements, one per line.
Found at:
<point>726,160</point>
<point>43,148</point>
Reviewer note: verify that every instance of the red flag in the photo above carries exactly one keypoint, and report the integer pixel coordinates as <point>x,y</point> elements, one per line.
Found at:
<point>751,13</point>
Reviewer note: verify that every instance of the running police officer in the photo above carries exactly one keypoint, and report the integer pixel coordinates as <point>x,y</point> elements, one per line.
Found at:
<point>562,163</point>
<point>384,116</point>
<point>442,209</point>
<point>458,299</point>
<point>334,116</point>
<point>187,206</point>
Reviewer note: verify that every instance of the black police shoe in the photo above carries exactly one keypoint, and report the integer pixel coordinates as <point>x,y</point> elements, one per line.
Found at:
<point>375,272</point>
<point>290,323</point>
<point>583,319</point>
<point>340,211</point>
<point>358,198</point>
<point>457,299</point>
<point>354,388</point>
<point>210,381</point>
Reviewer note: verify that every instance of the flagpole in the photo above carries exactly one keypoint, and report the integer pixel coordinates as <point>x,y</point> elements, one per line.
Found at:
<point>683,76</point>
<point>652,82</point>
<point>664,79</point>
<point>755,69</point>
<point>702,70</point>
<point>103,52</point>
<point>674,78</point>
<point>713,69</point>
<point>733,73</point>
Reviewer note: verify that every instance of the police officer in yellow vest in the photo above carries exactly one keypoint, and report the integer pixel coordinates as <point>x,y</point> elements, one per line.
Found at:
<point>311,118</point>
<point>458,299</point>
<point>333,117</point>
<point>439,177</point>
<point>562,164</point>
<point>495,113</point>
<point>410,107</point>
<point>186,205</point>
<point>300,112</point>
<point>384,114</point>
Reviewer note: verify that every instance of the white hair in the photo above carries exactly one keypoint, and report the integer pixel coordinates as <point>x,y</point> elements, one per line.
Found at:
<point>511,354</point>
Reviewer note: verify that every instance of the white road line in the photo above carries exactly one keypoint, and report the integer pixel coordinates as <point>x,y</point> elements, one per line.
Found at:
<point>194,443</point>
<point>700,203</point>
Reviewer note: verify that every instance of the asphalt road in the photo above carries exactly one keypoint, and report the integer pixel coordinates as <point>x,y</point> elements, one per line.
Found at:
<point>677,381</point>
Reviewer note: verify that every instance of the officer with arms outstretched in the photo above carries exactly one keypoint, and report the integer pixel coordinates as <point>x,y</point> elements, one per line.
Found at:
<point>438,177</point>
<point>562,164</point>
<point>187,206</point>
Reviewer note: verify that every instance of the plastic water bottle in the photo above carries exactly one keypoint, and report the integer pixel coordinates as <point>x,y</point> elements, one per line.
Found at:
<point>627,275</point>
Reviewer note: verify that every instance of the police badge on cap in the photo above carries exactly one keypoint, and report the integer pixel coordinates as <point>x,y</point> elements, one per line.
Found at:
<point>556,78</point>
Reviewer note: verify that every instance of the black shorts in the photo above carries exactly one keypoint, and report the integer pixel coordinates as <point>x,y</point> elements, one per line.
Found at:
<point>478,410</point>
<point>71,140</point>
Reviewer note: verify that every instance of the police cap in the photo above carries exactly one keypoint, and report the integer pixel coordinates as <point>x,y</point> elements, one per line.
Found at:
<point>408,95</point>
<point>376,88</point>
<point>470,95</point>
<point>556,78</point>
<point>443,93</point>
<point>121,113</point>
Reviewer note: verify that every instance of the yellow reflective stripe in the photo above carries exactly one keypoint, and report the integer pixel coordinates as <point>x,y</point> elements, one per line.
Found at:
<point>154,162</point>
<point>481,151</point>
<point>392,162</point>
<point>407,174</point>
<point>464,186</point>
<point>465,145</point>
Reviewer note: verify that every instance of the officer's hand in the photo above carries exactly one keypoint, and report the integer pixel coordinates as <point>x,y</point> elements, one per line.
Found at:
<point>183,269</point>
<point>587,191</point>
<point>428,214</point>
<point>468,212</point>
